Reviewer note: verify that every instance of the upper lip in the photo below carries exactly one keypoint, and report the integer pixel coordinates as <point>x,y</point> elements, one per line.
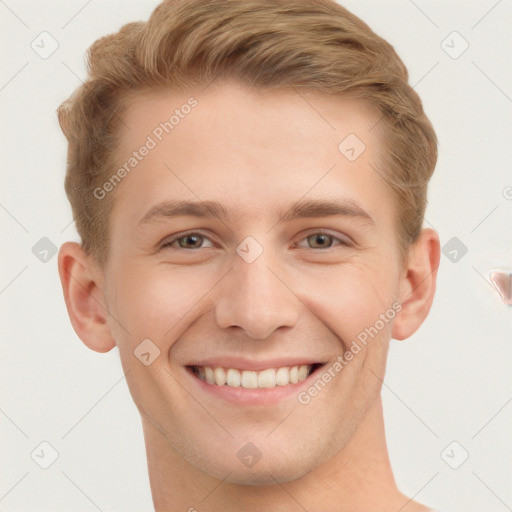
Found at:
<point>254,365</point>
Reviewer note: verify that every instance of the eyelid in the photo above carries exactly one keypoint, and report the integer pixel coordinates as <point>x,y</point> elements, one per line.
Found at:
<point>166,243</point>
<point>345,240</point>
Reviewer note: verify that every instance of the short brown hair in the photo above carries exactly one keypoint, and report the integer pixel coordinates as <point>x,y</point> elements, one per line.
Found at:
<point>311,44</point>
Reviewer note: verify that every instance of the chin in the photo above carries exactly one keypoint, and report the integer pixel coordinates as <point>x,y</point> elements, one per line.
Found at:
<point>264,472</point>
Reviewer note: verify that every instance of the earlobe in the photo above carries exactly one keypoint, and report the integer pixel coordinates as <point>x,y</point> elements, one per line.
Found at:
<point>418,284</point>
<point>84,298</point>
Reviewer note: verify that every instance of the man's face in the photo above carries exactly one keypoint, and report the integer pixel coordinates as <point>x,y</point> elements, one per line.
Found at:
<point>258,288</point>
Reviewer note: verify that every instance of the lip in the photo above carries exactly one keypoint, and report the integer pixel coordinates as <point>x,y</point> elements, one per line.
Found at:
<point>248,364</point>
<point>256,396</point>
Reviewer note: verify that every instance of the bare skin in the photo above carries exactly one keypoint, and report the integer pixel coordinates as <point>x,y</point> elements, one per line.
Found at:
<point>257,153</point>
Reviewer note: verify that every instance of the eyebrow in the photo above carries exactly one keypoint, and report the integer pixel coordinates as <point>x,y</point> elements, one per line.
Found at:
<point>213,209</point>
<point>169,209</point>
<point>327,208</point>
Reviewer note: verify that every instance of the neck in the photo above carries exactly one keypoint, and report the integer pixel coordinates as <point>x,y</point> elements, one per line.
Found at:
<point>358,477</point>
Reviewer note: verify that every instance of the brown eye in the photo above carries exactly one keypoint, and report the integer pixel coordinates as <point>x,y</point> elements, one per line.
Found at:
<point>320,240</point>
<point>323,240</point>
<point>190,241</point>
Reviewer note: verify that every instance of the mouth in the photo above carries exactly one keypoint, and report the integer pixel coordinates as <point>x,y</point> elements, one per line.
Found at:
<point>268,378</point>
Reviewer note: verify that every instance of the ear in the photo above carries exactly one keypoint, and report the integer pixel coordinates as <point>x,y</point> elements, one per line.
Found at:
<point>417,284</point>
<point>83,292</point>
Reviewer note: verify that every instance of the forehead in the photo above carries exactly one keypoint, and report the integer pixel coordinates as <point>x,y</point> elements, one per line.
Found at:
<point>253,149</point>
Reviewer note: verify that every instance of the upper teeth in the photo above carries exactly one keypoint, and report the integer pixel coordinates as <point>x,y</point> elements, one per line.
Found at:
<point>250,379</point>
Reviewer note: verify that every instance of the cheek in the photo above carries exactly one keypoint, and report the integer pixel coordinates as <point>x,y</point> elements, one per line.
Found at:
<point>347,298</point>
<point>156,303</point>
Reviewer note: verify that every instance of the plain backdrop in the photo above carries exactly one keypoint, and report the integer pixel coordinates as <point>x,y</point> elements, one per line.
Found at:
<point>448,389</point>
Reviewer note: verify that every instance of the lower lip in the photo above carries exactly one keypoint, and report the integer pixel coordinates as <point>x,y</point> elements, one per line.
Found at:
<point>252,396</point>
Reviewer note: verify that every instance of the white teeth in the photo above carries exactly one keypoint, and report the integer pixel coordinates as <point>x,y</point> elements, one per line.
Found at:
<point>249,379</point>
<point>220,376</point>
<point>283,376</point>
<point>233,378</point>
<point>209,375</point>
<point>268,378</point>
<point>303,372</point>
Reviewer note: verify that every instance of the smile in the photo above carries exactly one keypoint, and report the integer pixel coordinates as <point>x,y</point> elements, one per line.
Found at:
<point>248,379</point>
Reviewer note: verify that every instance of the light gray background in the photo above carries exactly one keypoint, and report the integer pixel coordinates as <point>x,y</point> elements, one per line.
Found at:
<point>450,381</point>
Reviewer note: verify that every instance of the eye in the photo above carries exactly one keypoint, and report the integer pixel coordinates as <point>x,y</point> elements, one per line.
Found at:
<point>323,240</point>
<point>188,240</point>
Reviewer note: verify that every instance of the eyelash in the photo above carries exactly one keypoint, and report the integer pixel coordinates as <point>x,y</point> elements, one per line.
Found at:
<point>167,244</point>
<point>170,241</point>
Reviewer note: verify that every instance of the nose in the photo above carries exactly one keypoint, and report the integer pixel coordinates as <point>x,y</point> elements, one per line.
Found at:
<point>256,298</point>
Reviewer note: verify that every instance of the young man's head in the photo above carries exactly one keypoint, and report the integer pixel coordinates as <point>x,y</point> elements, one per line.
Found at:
<point>249,181</point>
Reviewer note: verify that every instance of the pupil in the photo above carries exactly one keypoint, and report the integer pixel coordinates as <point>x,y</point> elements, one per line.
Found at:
<point>320,238</point>
<point>187,239</point>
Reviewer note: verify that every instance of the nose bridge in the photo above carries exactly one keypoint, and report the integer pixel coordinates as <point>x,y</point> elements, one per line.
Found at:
<point>254,298</point>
